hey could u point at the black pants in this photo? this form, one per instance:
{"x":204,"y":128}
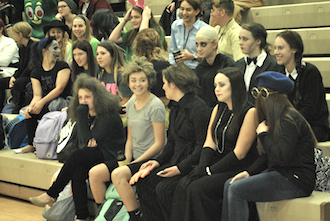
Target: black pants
{"x":18,"y":90}
{"x":156,"y":195}
{"x":32,"y":123}
{"x":76,"y":169}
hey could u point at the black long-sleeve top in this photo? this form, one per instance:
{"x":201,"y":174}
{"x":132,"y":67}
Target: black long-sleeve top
{"x":186,"y":134}
{"x":308,"y":97}
{"x":106,"y":129}
{"x":206,"y":73}
{"x":292,"y":155}
{"x":24,"y":58}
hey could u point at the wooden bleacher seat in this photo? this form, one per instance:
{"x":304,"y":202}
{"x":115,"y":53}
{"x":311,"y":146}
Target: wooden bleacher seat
{"x":284,"y":2}
{"x":315,"y":39}
{"x":313,"y":208}
{"x":24,"y":175}
{"x":315,"y":14}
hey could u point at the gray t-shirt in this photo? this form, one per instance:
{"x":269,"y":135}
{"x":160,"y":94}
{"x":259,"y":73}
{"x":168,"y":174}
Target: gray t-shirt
{"x":108,"y":80}
{"x":140,"y":123}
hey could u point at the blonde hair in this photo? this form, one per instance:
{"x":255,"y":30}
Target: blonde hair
{"x":208,"y":33}
{"x":88,"y":32}
{"x":63,"y":43}
{"x":22,"y":27}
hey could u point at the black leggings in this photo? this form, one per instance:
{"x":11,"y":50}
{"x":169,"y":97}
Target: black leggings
{"x":76,"y":169}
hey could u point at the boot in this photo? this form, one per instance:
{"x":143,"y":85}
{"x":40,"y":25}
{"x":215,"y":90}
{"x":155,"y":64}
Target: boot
{"x":17,"y":101}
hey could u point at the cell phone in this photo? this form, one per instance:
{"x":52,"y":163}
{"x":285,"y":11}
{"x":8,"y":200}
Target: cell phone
{"x":161,"y":172}
{"x":176,"y":52}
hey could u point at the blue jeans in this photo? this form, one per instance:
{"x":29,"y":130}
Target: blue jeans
{"x":264,"y":187}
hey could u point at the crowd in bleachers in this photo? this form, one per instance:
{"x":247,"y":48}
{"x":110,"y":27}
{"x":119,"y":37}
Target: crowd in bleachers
{"x":226,"y":120}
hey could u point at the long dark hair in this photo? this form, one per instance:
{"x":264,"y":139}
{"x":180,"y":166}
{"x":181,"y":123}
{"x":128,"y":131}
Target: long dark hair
{"x":104,"y":102}
{"x":273,"y":109}
{"x":238,"y":97}
{"x":152,"y":24}
{"x":86,"y":47}
{"x":103,"y":22}
{"x":36,"y":51}
{"x":295,"y":42}
{"x":258,"y":32}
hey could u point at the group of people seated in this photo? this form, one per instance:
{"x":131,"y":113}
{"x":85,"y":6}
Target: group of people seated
{"x":215,"y":127}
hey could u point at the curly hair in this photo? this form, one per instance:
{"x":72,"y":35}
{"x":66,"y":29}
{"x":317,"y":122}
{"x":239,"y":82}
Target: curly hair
{"x":140,"y":64}
{"x":147,"y":44}
{"x":104,"y":102}
{"x":131,"y":35}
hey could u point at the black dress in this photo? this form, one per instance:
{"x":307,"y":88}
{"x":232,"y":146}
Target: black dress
{"x":201,"y":199}
{"x":187,"y":132}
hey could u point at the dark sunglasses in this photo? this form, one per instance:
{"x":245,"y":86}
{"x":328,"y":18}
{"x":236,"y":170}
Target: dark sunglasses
{"x":263,"y":92}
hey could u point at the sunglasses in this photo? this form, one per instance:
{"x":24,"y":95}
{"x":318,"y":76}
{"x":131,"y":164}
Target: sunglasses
{"x":263,"y":92}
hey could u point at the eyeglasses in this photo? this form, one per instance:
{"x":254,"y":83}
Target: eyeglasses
{"x":62,"y":6}
{"x":263,"y":92}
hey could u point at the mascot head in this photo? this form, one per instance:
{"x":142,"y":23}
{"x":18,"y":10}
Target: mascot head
{"x":38,"y":13}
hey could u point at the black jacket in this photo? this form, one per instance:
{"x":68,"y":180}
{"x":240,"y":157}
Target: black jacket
{"x":269,"y":64}
{"x":206,"y":74}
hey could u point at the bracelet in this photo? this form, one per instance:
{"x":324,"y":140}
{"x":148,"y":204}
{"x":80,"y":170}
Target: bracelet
{"x":125,"y":20}
{"x":208,"y":171}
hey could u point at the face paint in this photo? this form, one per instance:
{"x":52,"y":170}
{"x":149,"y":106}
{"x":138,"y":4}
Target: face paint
{"x":54,"y":49}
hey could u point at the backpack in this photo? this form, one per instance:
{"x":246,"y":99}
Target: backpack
{"x":63,"y":209}
{"x":16,"y":133}
{"x":113,"y":208}
{"x":47,"y":134}
{"x":68,"y":141}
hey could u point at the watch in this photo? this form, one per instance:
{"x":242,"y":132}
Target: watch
{"x":195,"y":57}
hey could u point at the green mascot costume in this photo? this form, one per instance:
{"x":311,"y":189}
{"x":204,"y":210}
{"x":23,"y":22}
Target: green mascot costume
{"x":38,"y":13}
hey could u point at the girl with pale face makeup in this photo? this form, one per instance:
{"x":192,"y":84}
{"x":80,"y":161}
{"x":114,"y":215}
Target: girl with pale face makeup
{"x":252,"y":40}
{"x":83,"y":60}
{"x":309,"y":91}
{"x":207,"y":44}
{"x":59,"y":30}
{"x":145,"y":134}
{"x":81,"y":30}
{"x":141,"y":19}
{"x":184,"y":32}
{"x":228,"y":148}
{"x":50,"y":79}
{"x":100,"y":133}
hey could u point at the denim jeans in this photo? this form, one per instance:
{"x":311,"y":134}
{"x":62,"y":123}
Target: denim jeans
{"x":265,"y":187}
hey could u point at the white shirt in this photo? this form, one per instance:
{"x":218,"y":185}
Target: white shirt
{"x":294,"y":73}
{"x":84,"y":8}
{"x":8,"y":54}
{"x":249,"y":70}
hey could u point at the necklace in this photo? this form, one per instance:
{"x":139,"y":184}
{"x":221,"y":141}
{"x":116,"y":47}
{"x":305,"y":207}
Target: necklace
{"x":223,"y":131}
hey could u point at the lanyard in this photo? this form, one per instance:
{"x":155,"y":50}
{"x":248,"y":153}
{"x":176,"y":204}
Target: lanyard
{"x":184,"y":34}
